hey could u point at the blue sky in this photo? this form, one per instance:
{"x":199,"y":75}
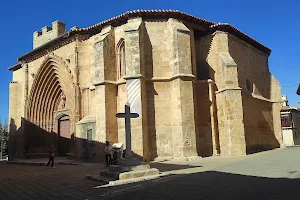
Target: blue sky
{"x":276,"y":25}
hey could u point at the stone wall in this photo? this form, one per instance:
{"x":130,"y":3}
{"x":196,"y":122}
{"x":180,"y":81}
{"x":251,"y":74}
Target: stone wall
{"x":230,"y":62}
{"x":291,"y":136}
{"x":252,"y":64}
{"x":257,"y":93}
{"x":204,"y":134}
{"x":85,"y":62}
{"x":16,"y":139}
{"x":288,"y":137}
{"x":224,"y":72}
{"x":259,"y":130}
{"x":157,"y":49}
{"x":296,"y":130}
{"x":121,"y":101}
{"x":160,"y":123}
{"x":276,"y":107}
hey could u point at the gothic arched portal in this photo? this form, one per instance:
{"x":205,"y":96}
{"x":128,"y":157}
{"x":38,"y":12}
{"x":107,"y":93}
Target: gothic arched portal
{"x":52,"y":92}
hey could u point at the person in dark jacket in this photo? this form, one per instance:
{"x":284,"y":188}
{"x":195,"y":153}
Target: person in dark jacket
{"x":108,"y":150}
{"x":51,"y":156}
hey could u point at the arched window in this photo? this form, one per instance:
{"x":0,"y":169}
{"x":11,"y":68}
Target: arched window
{"x":121,"y":71}
{"x":249,"y":84}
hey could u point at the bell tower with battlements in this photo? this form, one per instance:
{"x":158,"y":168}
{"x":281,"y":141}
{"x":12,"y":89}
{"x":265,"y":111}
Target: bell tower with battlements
{"x":48,"y":33}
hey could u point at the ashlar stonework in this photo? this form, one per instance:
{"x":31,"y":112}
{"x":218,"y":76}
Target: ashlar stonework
{"x":204,"y":88}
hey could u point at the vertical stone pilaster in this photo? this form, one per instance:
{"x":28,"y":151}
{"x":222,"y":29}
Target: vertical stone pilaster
{"x":16,"y":133}
{"x":111,"y":111}
{"x":276,"y":107}
{"x":180,"y":54}
{"x":105,"y":91}
{"x":100,"y":112}
{"x":214,"y":118}
{"x":135,"y":69}
{"x":231,"y":125}
{"x":77,"y":88}
{"x":182,"y":100}
{"x":183,"y":123}
{"x":99,"y":55}
{"x":230,"y":109}
{"x":134,"y":53}
{"x":26,"y":92}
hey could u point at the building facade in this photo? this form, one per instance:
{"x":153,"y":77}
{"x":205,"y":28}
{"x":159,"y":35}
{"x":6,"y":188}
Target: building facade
{"x":290,"y":121}
{"x":195,"y":84}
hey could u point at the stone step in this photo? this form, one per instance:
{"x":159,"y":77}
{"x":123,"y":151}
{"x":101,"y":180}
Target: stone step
{"x":120,"y":168}
{"x":110,"y":174}
{"x":99,"y":178}
{"x":130,"y":174}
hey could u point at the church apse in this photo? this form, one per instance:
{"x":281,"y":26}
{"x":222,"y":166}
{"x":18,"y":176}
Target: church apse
{"x":50,"y":108}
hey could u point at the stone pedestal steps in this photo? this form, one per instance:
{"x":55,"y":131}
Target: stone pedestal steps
{"x":116,"y":174}
{"x":127,"y":172}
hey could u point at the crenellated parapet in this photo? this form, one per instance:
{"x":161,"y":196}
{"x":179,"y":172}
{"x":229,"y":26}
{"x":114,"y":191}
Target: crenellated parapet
{"x":48,"y":33}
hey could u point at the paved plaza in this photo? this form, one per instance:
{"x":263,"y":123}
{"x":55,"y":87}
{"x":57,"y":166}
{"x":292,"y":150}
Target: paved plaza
{"x":268,"y":175}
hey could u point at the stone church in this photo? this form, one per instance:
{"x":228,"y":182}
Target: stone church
{"x":200,"y":89}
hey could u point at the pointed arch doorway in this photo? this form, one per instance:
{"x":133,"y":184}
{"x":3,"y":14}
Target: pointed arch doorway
{"x":64,"y":135}
{"x":51,"y":104}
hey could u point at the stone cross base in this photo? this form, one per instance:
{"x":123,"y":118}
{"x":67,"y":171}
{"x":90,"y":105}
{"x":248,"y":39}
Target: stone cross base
{"x":129,"y":162}
{"x":129,"y":170}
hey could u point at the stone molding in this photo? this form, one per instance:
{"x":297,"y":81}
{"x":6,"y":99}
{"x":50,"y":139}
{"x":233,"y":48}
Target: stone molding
{"x":264,"y":99}
{"x":50,"y":56}
{"x":253,"y":95}
{"x":101,"y":49}
{"x":227,"y":59}
{"x":133,"y":24}
{"x":86,"y":120}
{"x":35,"y":102}
{"x":226,"y":89}
{"x":176,"y":76}
{"x":60,"y":113}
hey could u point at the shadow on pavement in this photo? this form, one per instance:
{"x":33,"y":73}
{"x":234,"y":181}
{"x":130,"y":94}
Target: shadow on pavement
{"x":209,"y":185}
{"x":164,"y":167}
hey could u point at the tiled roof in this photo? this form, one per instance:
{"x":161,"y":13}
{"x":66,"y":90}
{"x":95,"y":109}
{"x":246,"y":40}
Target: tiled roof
{"x":288,"y":108}
{"x":234,"y":31}
{"x":15,"y":67}
{"x":147,"y":13}
{"x":153,"y":14}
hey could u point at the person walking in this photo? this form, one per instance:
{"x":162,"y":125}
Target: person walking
{"x":51,"y":156}
{"x":107,"y":152}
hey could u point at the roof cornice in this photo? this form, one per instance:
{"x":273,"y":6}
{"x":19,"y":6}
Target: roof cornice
{"x":154,"y":14}
{"x":15,"y":67}
{"x":234,"y":31}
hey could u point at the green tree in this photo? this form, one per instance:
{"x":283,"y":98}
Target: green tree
{"x":3,"y":139}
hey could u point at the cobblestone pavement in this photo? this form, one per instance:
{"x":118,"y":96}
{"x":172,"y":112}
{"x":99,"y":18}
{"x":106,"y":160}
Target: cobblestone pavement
{"x":269,"y":175}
